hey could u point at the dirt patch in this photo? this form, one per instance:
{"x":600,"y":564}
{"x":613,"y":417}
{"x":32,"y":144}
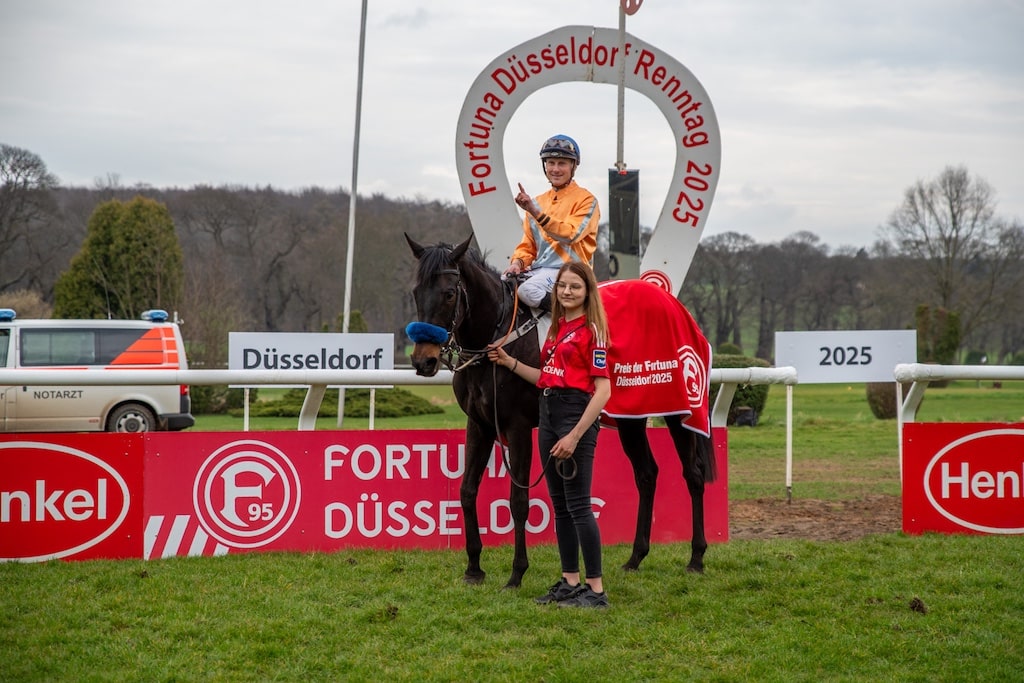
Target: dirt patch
{"x":816,"y":520}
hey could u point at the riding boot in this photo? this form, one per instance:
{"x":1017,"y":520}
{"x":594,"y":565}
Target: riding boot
{"x":544,"y":306}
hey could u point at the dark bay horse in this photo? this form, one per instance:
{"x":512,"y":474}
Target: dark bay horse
{"x":457,"y":293}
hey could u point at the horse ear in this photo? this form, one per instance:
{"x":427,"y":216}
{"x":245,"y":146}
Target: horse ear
{"x":417,"y":249}
{"x":459,"y":251}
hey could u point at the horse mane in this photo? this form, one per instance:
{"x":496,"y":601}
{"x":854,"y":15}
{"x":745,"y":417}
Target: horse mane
{"x":437,"y":257}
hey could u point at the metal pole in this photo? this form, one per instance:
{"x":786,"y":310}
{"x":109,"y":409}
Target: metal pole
{"x":352,"y":199}
{"x":620,"y":123}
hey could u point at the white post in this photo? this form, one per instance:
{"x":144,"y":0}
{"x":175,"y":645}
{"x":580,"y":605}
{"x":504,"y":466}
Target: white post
{"x":352,"y":199}
{"x":789,"y":443}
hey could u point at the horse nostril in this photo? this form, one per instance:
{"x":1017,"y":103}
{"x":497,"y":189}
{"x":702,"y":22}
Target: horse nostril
{"x":426,"y":367}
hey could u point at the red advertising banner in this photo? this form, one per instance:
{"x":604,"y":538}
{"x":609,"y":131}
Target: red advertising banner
{"x":210,"y":493}
{"x":71,"y":496}
{"x":963,"y":478}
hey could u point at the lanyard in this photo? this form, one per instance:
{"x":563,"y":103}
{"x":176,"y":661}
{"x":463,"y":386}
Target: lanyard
{"x":551,"y":351}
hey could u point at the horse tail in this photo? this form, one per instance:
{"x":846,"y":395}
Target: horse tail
{"x":705,"y":457}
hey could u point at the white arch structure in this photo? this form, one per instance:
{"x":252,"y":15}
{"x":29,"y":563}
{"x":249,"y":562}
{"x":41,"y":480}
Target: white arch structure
{"x":586,"y":53}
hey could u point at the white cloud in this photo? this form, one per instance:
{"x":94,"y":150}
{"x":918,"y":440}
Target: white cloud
{"x":828,"y":111}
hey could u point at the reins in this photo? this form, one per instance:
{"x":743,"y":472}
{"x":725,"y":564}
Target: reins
{"x":477,"y":354}
{"x":451,"y":349}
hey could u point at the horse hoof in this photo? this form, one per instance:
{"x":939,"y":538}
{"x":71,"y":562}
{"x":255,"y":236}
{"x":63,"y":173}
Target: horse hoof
{"x":474,"y":579}
{"x":695,"y":568}
{"x":630,"y":568}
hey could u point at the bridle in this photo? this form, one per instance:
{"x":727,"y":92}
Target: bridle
{"x":456,"y":358}
{"x":450,"y":349}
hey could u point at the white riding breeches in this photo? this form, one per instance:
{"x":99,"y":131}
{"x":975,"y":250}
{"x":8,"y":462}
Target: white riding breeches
{"x":538,"y":286}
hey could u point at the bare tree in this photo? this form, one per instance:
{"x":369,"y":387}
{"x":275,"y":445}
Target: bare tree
{"x":25,"y":203}
{"x":725,"y":268}
{"x":971,"y":258}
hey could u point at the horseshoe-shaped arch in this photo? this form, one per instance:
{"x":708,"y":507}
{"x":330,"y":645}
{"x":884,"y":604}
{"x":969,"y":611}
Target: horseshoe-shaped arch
{"x":586,"y":53}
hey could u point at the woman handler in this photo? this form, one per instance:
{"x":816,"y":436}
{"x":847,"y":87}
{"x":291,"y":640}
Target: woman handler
{"x":575,"y":386}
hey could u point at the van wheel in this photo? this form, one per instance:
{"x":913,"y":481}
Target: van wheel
{"x":131,"y":417}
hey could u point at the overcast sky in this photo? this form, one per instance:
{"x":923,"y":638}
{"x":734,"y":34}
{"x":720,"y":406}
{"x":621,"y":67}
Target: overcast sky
{"x":828,"y":110}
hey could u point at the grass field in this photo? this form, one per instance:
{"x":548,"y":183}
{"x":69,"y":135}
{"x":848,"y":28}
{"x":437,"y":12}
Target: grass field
{"x":888,"y":607}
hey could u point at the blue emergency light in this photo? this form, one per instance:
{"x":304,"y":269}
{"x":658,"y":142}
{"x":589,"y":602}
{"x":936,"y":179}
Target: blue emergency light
{"x":155,"y":315}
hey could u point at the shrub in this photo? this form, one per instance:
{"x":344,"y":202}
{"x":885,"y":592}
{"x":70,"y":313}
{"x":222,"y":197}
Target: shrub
{"x":388,"y":403}
{"x":975,"y":357}
{"x":751,"y":396}
{"x":882,"y":399}
{"x":28,"y":304}
{"x":729,"y":349}
{"x":938,"y":338}
{"x":218,"y":399}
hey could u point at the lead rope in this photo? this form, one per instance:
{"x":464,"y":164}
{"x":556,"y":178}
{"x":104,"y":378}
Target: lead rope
{"x":497,"y":429}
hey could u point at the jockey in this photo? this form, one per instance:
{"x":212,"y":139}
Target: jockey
{"x":559,"y":226}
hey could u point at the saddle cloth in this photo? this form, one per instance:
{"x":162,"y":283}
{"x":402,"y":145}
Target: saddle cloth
{"x":660,"y":361}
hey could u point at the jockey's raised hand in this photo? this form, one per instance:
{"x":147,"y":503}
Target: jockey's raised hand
{"x":527,"y":203}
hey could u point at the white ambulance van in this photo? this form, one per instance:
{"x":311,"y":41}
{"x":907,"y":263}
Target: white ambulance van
{"x":152,"y":343}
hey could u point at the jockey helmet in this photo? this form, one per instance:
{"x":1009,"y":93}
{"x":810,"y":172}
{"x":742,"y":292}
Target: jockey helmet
{"x":560,"y":146}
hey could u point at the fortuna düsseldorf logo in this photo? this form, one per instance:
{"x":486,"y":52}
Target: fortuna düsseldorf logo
{"x":695,"y":376}
{"x":656,"y":277}
{"x":246,"y":494}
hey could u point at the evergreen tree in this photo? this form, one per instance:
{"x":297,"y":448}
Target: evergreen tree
{"x":131,"y":261}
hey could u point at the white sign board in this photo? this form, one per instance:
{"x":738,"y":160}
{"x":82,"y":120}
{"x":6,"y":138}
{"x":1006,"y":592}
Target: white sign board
{"x":588,"y":53}
{"x":845,"y":356}
{"x":310,"y":351}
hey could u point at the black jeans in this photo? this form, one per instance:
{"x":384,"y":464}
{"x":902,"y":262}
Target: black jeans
{"x":575,"y":524}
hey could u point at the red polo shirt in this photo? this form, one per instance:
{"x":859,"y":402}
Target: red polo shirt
{"x":574,"y":358}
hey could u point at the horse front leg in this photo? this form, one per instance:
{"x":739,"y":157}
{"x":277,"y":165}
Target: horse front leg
{"x":520,"y":457}
{"x":686,"y":443}
{"x":479,"y":441}
{"x":633,"y":437}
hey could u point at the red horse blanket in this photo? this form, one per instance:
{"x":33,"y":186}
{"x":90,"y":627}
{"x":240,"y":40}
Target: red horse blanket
{"x":660,"y":361}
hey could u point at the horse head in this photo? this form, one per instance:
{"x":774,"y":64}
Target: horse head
{"x":440,"y":298}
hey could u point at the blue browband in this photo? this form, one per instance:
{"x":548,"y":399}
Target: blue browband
{"x":425,"y":333}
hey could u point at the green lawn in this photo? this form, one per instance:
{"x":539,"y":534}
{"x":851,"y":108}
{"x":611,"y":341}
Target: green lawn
{"x":889,"y":607}
{"x":883,"y":608}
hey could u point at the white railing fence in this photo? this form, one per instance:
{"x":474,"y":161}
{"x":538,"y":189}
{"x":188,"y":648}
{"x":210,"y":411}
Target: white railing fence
{"x":921,"y":374}
{"x":319,"y":380}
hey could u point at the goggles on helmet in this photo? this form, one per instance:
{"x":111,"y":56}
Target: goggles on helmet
{"x":560,"y":146}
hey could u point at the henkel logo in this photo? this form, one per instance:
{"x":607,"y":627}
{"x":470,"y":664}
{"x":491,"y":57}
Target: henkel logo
{"x":978,"y":481}
{"x":246,"y":494}
{"x":56,"y":501}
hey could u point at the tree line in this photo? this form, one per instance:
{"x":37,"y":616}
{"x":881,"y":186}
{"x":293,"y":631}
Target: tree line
{"x":263,"y":259}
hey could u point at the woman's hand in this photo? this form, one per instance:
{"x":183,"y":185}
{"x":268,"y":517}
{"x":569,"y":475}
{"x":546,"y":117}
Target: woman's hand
{"x":565,"y":447}
{"x":497,"y":355}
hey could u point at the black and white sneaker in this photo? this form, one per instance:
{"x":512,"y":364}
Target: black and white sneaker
{"x":562,"y":590}
{"x":586,"y":598}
